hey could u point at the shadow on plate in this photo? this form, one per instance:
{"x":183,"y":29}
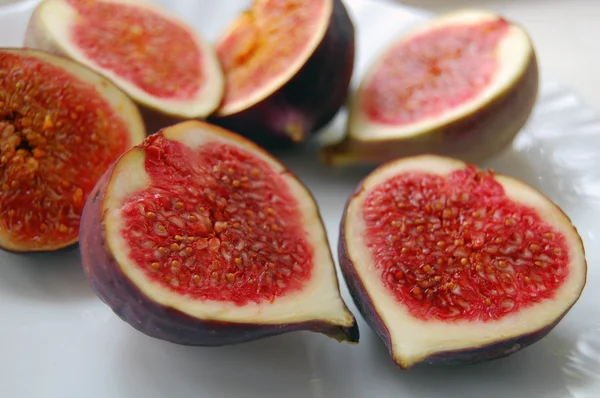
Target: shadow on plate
{"x":535,"y":372}
{"x":49,"y":277}
{"x":273,"y":367}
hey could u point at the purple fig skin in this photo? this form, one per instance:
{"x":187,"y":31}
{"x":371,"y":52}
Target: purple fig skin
{"x":128,"y":302}
{"x":310,"y":99}
{"x":363,"y":302}
{"x":473,"y":138}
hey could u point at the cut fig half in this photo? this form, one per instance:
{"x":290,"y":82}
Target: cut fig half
{"x":452,"y":264}
{"x":147,"y":51}
{"x":61,"y":127}
{"x":287,"y":66}
{"x":462,"y":84}
{"x":199,"y":237}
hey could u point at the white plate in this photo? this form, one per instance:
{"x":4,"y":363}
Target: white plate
{"x":58,"y":340}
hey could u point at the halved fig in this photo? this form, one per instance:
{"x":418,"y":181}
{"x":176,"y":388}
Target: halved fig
{"x":462,"y":85}
{"x":199,"y":237}
{"x":147,"y":51}
{"x":287,"y":66}
{"x":452,"y":264}
{"x":61,"y":126}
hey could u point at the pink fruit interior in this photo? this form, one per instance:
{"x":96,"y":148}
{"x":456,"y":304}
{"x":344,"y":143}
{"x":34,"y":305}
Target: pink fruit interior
{"x":433,"y":72}
{"x":152,"y":52}
{"x":265,"y":41}
{"x":456,"y":247}
{"x":216,"y":223}
{"x":57,"y":137}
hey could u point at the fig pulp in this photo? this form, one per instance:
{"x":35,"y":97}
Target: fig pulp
{"x":148,"y":52}
{"x":462,"y":85}
{"x":199,"y":237}
{"x":287,"y":66}
{"x":61,"y":126}
{"x":452,"y":264}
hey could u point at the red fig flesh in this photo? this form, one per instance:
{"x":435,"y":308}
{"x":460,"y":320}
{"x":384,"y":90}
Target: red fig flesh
{"x":61,"y":126}
{"x":126,"y":41}
{"x":199,"y":237}
{"x":463,"y":85}
{"x":287,"y":65}
{"x":453,"y":264}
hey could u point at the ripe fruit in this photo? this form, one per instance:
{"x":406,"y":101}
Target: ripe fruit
{"x":61,"y":126}
{"x":145,"y":50}
{"x":452,"y":264}
{"x":461,"y":85}
{"x":200,"y":237}
{"x":287,"y":66}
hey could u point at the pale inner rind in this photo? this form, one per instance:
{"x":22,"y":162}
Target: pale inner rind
{"x":117,"y":100}
{"x":413,"y":339}
{"x":57,"y":20}
{"x":319,"y":298}
{"x":280,"y":79}
{"x":513,"y":54}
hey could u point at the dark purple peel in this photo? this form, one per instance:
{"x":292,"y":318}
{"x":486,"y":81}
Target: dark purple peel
{"x":310,"y":99}
{"x":116,"y":290}
{"x":472,"y":355}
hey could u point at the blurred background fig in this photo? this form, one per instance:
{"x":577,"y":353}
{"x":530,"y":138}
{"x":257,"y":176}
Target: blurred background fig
{"x":461,"y":84}
{"x":150,"y":53}
{"x":288,"y":66}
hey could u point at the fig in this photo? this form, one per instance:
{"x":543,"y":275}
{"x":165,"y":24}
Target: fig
{"x":126,"y":41}
{"x":199,"y":237}
{"x":61,"y":126}
{"x":288,"y":66}
{"x":453,"y":264}
{"x":462,"y":84}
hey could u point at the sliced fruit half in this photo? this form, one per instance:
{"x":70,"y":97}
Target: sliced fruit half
{"x":452,"y":264}
{"x":463,"y":84}
{"x":287,"y":65}
{"x":199,"y":237}
{"x":147,"y":51}
{"x":61,"y":126}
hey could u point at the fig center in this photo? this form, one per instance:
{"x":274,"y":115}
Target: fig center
{"x":51,"y":124}
{"x":433,"y":72}
{"x":138,"y":45}
{"x":456,"y":247}
{"x":217,"y":223}
{"x":265,"y":42}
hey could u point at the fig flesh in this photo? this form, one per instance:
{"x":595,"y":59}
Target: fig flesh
{"x":199,"y":237}
{"x":147,"y":51}
{"x":287,"y":66}
{"x":452,"y":264}
{"x":61,"y":126}
{"x":461,"y":85}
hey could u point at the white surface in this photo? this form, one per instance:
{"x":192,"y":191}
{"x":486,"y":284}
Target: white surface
{"x":58,"y":340}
